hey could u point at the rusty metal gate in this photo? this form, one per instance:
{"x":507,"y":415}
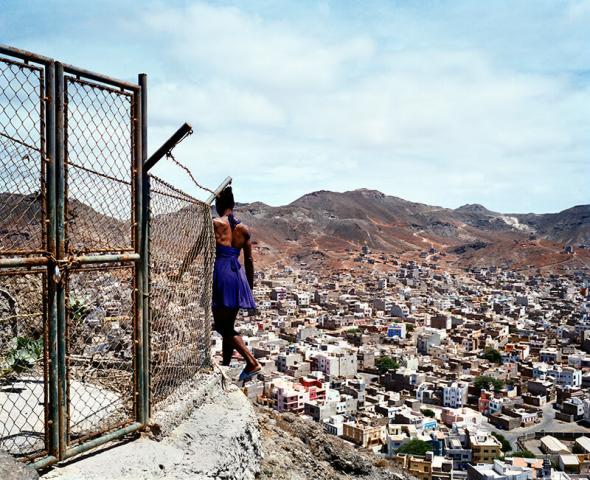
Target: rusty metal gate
{"x":73,"y":261}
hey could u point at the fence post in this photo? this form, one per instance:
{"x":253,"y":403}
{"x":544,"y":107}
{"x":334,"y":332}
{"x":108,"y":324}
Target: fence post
{"x":145,"y":250}
{"x":52,"y":425}
{"x":140,"y":368}
{"x":60,"y":278}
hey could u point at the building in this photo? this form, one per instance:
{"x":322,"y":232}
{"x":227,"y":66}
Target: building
{"x":550,"y":355}
{"x":366,"y":436}
{"x":455,"y":394}
{"x":499,"y":470}
{"x":397,"y":330}
{"x":291,"y":398}
{"x":429,"y":338}
{"x":337,"y":364}
{"x":335,"y":425}
{"x":552,"y":446}
{"x":430,"y":467}
{"x":562,"y":376}
{"x":485,"y":448}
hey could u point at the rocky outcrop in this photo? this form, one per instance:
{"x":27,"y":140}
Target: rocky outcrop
{"x":11,"y":469}
{"x":298,"y":449}
{"x":215,"y":435}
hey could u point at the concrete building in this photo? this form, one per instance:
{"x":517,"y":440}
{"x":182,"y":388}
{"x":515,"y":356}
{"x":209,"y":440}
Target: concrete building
{"x":337,"y":364}
{"x":455,"y":394}
{"x":499,"y":470}
{"x":366,"y":436}
{"x":485,"y":448}
{"x":397,"y":330}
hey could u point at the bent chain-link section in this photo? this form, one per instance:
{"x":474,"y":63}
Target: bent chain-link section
{"x":182,"y":253}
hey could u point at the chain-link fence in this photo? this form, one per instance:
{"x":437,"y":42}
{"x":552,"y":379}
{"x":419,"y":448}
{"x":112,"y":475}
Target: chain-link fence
{"x":22,"y":366}
{"x":99,"y":213}
{"x":81,"y":324}
{"x":23,"y":293}
{"x":182,"y":252}
{"x":22,"y":185}
{"x":100,"y":323}
{"x":99,"y":139}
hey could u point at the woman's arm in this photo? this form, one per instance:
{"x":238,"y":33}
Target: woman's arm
{"x":249,"y":263}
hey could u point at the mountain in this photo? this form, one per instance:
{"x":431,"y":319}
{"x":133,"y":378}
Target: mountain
{"x":569,"y":226}
{"x":325,"y":229}
{"x":325,"y":221}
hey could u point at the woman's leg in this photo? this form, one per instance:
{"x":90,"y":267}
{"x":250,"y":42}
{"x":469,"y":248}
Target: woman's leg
{"x":224,"y":324}
{"x":225,"y":319}
{"x":251,"y":363}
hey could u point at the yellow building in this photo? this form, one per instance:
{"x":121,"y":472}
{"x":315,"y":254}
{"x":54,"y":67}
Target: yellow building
{"x":418,"y":467}
{"x":366,"y":436}
{"x":484,"y":448}
{"x":430,"y":467}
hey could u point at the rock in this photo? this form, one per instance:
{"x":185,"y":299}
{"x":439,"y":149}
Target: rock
{"x":296,"y":448}
{"x":11,"y":469}
{"x":209,"y":433}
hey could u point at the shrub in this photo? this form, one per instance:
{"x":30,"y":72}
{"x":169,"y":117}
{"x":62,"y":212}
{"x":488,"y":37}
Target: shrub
{"x":386,"y":363}
{"x":506,"y":447}
{"x":24,"y":353}
{"x":484,"y":382}
{"x":523,"y":454}
{"x":415,"y":447}
{"x":492,"y":355}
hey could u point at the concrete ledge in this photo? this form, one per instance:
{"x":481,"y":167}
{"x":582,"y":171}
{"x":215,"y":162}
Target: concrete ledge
{"x":11,"y":469}
{"x":211,"y":433}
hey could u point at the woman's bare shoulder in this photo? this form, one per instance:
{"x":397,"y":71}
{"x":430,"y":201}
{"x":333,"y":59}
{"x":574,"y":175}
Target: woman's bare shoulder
{"x":243,"y":228}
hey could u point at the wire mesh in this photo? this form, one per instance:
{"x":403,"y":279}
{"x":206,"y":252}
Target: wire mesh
{"x":100,"y":325}
{"x":182,"y":253}
{"x":22,"y":186}
{"x":22,"y":363}
{"x":99,"y":153}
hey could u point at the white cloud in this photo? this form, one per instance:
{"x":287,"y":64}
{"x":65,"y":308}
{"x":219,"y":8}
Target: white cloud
{"x":280,"y":97}
{"x":447,"y":102}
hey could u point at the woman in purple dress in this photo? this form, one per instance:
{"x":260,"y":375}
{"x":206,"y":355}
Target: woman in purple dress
{"x":232,"y":287}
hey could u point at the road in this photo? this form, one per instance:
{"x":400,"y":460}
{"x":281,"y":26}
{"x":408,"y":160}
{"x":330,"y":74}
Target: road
{"x":548,"y":424}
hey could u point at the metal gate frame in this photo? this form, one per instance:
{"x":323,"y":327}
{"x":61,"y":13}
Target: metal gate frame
{"x":58,"y":262}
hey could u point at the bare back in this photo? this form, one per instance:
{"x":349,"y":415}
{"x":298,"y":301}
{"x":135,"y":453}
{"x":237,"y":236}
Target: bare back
{"x":238,"y":238}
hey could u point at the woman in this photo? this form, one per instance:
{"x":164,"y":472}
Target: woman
{"x":232,"y":288}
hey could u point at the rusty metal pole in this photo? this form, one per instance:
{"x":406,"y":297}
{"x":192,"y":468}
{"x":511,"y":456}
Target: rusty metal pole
{"x":184,"y":130}
{"x":145,"y":250}
{"x":218,"y":190}
{"x":139,"y":397}
{"x":59,"y":277}
{"x":52,"y":404}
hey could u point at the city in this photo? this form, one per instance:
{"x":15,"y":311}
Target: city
{"x":475,"y":373}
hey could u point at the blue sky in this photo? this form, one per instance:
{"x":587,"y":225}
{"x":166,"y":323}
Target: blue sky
{"x":438,"y":102}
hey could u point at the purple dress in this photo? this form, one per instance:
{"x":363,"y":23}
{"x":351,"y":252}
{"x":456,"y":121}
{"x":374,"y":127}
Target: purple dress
{"x":230,"y":286}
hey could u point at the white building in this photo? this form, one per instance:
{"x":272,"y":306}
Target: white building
{"x":337,"y":364}
{"x":335,"y":425}
{"x":499,"y":470}
{"x":455,"y":394}
{"x":562,"y":376}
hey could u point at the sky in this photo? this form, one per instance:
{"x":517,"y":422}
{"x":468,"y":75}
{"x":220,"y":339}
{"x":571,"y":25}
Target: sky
{"x":438,"y":102}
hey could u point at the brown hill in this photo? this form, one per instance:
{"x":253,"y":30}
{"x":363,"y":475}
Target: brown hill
{"x":332,"y":222}
{"x":320,"y":226}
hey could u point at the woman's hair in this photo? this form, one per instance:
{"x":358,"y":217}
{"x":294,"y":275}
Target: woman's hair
{"x":224,"y":200}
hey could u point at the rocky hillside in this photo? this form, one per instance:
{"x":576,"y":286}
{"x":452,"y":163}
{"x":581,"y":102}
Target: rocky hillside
{"x":297,"y":449}
{"x":330,"y":221}
{"x":323,"y":223}
{"x":569,"y":226}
